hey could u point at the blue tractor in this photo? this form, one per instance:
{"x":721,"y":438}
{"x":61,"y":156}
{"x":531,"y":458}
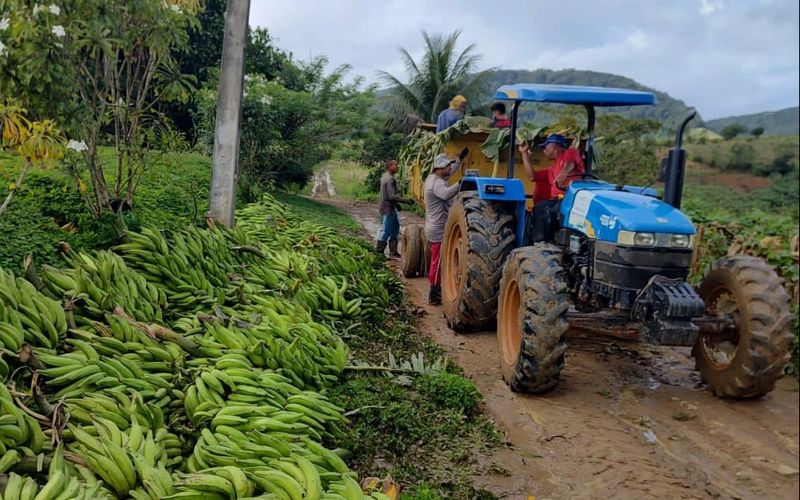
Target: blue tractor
{"x":618,"y":264}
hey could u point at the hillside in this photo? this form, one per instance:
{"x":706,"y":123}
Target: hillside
{"x":781,"y":122}
{"x":668,"y":111}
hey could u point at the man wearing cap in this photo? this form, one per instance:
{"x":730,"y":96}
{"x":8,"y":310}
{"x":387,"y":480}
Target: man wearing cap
{"x":567,"y":163}
{"x":438,"y":199}
{"x":452,"y":114}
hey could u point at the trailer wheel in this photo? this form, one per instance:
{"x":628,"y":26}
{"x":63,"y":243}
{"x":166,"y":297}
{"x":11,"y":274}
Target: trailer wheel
{"x":744,"y":362}
{"x":411,"y":253}
{"x":532,"y":319}
{"x":478,"y":237}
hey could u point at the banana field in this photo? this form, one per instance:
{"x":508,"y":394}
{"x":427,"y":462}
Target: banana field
{"x":192,"y":364}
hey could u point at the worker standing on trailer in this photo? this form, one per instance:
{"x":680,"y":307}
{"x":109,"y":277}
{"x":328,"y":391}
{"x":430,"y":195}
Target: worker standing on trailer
{"x":438,"y":199}
{"x":452,"y":114}
{"x":567,"y":163}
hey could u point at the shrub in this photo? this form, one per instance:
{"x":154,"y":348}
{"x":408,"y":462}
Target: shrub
{"x":450,"y":390}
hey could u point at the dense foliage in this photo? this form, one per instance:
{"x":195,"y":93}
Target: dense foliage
{"x":285,"y":132}
{"x":100,"y":67}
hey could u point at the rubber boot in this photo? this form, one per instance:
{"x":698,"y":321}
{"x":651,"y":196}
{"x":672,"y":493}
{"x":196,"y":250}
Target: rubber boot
{"x":435,"y":295}
{"x":393,"y":249}
{"x":380,"y":246}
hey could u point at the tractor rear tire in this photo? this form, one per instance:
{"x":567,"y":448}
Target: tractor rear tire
{"x":478,"y":237}
{"x":532,"y":319}
{"x":748,"y":362}
{"x":411,"y":253}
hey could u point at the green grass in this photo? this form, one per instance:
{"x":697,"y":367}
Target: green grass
{"x":172,"y":194}
{"x":320,"y":213}
{"x":760,"y":156}
{"x":426,"y":432}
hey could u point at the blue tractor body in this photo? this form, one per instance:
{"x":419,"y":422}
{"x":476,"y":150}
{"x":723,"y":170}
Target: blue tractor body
{"x":617,"y":264}
{"x":601,"y":210}
{"x":622,"y":245}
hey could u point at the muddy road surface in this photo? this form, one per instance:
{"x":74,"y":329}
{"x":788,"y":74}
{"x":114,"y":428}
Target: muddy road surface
{"x":626,"y":421}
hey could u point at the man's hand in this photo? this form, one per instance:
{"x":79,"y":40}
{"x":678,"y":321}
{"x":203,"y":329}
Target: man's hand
{"x":463,"y":154}
{"x":523,"y":147}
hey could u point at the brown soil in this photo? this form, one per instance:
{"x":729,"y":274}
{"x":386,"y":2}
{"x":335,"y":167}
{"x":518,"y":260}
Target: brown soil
{"x":626,"y":421}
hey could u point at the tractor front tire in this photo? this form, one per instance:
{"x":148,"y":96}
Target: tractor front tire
{"x":412,"y":251}
{"x":532,"y":319}
{"x":746,"y":362}
{"x":478,"y":237}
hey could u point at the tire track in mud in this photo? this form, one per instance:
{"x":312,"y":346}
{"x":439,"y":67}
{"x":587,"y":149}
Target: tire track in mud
{"x":626,"y":421}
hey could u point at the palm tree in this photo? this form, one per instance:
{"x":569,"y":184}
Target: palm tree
{"x":440,"y":74}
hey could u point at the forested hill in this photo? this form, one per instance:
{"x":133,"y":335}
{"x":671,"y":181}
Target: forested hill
{"x":781,"y":122}
{"x":668,"y":111}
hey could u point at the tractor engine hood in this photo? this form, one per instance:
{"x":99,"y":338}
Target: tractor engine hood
{"x":600,"y":210}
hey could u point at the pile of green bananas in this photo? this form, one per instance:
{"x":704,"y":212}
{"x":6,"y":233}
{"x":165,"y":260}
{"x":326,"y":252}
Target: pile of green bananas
{"x":97,"y":284}
{"x":27,"y":315}
{"x":63,"y":480}
{"x":189,"y":365}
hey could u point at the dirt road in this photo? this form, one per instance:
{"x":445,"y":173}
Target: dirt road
{"x":626,"y":421}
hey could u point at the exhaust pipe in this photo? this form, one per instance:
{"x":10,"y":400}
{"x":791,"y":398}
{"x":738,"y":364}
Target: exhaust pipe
{"x":673,"y":189}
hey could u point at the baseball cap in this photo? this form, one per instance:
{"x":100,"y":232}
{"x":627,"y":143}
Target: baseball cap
{"x":441,"y":161}
{"x":555,"y":139}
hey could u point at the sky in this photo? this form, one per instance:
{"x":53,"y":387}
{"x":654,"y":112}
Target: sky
{"x":723,"y":57}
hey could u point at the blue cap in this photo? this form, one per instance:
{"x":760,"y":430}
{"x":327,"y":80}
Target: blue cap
{"x":555,"y":139}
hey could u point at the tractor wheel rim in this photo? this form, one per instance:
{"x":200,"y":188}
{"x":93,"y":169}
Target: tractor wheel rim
{"x":509,"y":323}
{"x":452,"y":276}
{"x":721,"y":351}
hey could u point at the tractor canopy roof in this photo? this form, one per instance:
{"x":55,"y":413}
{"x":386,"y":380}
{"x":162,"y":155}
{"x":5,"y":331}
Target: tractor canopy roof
{"x":572,"y":94}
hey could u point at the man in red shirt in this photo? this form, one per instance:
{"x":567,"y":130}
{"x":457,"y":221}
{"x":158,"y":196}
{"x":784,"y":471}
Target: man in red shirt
{"x":567,"y":164}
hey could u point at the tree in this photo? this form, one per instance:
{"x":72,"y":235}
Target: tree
{"x":98,"y":68}
{"x":437,"y":77}
{"x":731,"y":131}
{"x":757,"y":132}
{"x":286,"y":132}
{"x":625,"y":149}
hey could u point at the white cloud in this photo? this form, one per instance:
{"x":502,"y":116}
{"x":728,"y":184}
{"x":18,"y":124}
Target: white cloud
{"x":638,"y":41}
{"x":722,"y":57}
{"x":710,"y":6}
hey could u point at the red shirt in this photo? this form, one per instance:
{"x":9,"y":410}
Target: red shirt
{"x":502,"y":123}
{"x":570,"y":155}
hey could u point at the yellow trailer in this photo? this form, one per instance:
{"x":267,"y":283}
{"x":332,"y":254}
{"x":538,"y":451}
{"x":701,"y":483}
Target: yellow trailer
{"x":414,"y":248}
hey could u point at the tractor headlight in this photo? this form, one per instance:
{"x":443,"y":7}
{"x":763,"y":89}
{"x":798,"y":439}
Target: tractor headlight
{"x":680,"y":241}
{"x":644,"y":239}
{"x":634,"y":239}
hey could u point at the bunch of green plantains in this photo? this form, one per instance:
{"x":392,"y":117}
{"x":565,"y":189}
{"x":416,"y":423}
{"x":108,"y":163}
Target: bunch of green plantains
{"x":186,"y":365}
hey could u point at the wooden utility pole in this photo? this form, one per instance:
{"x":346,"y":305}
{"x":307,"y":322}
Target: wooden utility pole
{"x":225,"y":164}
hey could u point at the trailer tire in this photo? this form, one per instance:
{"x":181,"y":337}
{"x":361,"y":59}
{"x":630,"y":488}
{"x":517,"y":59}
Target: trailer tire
{"x":747,"y":363}
{"x":478,"y":237}
{"x":532,"y":319}
{"x":411,"y":253}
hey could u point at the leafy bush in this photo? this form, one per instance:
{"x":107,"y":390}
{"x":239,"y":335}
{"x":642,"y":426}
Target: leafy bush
{"x":450,"y":391}
{"x":285,"y":132}
{"x":172,"y":194}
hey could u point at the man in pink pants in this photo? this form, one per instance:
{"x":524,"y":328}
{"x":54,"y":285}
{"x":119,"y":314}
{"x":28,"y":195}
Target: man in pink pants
{"x":438,"y":199}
